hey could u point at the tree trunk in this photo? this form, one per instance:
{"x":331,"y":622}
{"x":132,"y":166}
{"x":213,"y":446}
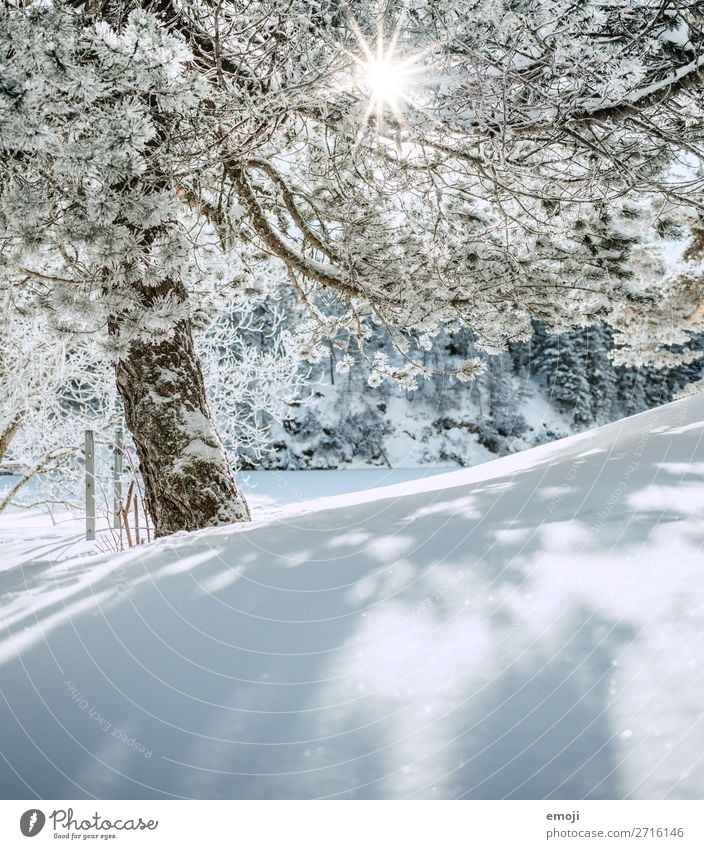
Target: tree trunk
{"x":8,"y":433}
{"x":187,"y":478}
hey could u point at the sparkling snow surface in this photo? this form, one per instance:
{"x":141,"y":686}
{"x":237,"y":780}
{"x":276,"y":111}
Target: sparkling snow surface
{"x":529,"y":628}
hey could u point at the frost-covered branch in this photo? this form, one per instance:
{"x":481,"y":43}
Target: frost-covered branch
{"x":515,"y":164}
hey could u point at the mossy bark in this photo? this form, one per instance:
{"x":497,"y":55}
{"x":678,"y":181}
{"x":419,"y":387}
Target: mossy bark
{"x":187,"y":479}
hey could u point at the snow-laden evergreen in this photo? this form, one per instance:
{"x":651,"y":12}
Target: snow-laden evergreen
{"x":518,"y":162}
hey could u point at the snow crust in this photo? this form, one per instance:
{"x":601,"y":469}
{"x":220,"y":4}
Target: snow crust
{"x":529,"y":628}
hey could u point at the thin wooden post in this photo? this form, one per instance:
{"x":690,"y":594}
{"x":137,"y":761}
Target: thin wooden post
{"x":137,"y":540}
{"x":90,"y":484}
{"x":117,"y":479}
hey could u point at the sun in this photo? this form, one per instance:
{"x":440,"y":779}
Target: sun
{"x":386,"y":80}
{"x":383,"y":74}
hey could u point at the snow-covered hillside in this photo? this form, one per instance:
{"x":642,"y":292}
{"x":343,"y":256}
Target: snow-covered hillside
{"x":541,"y":390}
{"x":529,"y":628}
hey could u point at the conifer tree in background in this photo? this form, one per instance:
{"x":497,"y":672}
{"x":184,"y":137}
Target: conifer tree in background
{"x":561,"y":361}
{"x":632,"y":385}
{"x":456,"y":164}
{"x":599,"y":372}
{"x":503,"y":418}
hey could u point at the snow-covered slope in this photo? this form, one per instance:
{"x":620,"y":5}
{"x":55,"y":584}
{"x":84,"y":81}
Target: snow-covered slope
{"x":529,"y":628}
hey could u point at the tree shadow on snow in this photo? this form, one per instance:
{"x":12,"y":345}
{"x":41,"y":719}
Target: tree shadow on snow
{"x":452,"y":643}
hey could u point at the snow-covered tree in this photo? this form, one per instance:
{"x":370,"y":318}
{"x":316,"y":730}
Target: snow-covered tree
{"x":252,"y":376}
{"x":30,"y":362}
{"x":53,"y":387}
{"x":425,"y":166}
{"x":599,"y":372}
{"x":54,"y":391}
{"x":562,"y":361}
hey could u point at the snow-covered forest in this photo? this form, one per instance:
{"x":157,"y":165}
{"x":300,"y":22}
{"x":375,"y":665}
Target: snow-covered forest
{"x":537,"y":391}
{"x":248,"y":243}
